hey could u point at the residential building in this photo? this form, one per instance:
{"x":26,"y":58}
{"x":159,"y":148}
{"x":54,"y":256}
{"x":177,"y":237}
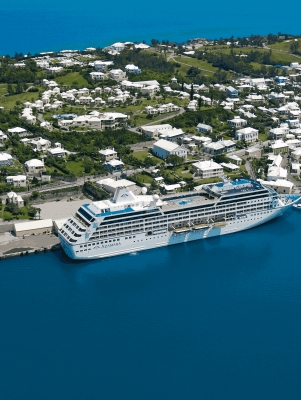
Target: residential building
{"x":237,"y":122}
{"x":132,"y":69}
{"x":118,"y":46}
{"x":222,"y":146}
{"x":278,"y":133}
{"x":150,"y":90}
{"x":207,"y":169}
{"x":114,"y":165}
{"x":248,"y":134}
{"x":279,"y":147}
{"x":203,"y":128}
{"x":13,"y":197}
{"x":5,"y":159}
{"x":231,"y":92}
{"x":108,"y":154}
{"x":3,"y":137}
{"x":253,"y":152}
{"x":102,"y":65}
{"x":17,"y":180}
{"x":117,"y":75}
{"x":19,"y":131}
{"x":54,"y":70}
{"x":35,"y":167}
{"x":40,"y":144}
{"x":163,"y":148}
{"x":98,"y":76}
{"x":171,"y":135}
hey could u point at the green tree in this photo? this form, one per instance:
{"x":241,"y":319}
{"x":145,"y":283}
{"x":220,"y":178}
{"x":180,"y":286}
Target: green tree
{"x":294,"y":46}
{"x":174,"y":160}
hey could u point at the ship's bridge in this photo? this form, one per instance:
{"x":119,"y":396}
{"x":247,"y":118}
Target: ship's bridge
{"x":124,"y":201}
{"x":239,"y":186}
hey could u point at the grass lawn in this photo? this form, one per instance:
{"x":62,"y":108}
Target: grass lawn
{"x":285,"y":46}
{"x":179,"y":171}
{"x":76,"y":167}
{"x":6,"y":215}
{"x":10,"y":101}
{"x":194,"y":62}
{"x":3,"y":88}
{"x":208,"y":180}
{"x":72,"y":79}
{"x":143,"y":178}
{"x":263,"y":137}
{"x":141,"y":155}
{"x":279,"y":57}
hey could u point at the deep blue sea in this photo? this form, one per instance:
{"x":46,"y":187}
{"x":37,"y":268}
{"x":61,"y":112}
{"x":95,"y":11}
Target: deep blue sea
{"x":34,"y":26}
{"x":218,"y":319}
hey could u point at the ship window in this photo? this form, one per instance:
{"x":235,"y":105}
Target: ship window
{"x":85,"y":245}
{"x":80,"y":246}
{"x":106,"y":241}
{"x":110,"y":241}
{"x":89,"y":244}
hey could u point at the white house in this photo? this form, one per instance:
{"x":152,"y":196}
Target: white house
{"x":17,"y":180}
{"x":54,"y":70}
{"x":132,"y":69}
{"x":5,"y":159}
{"x":3,"y":137}
{"x":108,"y":154}
{"x":98,"y":76}
{"x":19,"y":131}
{"x":40,"y":144}
{"x":117,"y":74}
{"x":34,"y":166}
{"x":207,"y":169}
{"x":150,"y":90}
{"x":203,"y":128}
{"x":171,"y":134}
{"x":13,"y":197}
{"x":247,"y":134}
{"x":102,"y":65}
{"x":163,"y":148}
{"x":275,"y":171}
{"x":278,"y":133}
{"x":57,"y":152}
{"x":118,"y":46}
{"x":237,"y":122}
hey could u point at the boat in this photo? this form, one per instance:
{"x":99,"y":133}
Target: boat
{"x":297,"y":206}
{"x":128,"y":223}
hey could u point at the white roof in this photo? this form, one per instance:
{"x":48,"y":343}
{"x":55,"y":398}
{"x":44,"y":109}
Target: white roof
{"x":17,"y":130}
{"x":166,"y":145}
{"x":34,"y":163}
{"x":5,"y":157}
{"x":16,"y":177}
{"x":115,"y":184}
{"x":56,"y":150}
{"x":107,"y":152}
{"x":27,"y":226}
{"x":247,"y":130}
{"x":115,"y":163}
{"x":171,"y":187}
{"x":207,"y":165}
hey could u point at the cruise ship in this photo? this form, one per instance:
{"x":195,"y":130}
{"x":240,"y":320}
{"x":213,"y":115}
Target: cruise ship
{"x":130,"y":223}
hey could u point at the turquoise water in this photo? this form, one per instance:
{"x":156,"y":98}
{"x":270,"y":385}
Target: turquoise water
{"x":38,"y":26}
{"x":213,"y":319}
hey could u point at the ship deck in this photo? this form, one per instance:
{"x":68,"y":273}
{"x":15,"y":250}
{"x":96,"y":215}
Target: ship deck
{"x":185,"y":200}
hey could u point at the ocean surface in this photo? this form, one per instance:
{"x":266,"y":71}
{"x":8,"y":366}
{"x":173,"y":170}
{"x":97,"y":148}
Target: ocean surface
{"x":216,"y":319}
{"x":34,"y":26}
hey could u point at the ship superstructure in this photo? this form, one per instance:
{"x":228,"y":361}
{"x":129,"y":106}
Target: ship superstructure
{"x":129,"y":223}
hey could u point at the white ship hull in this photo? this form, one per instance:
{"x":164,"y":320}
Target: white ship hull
{"x":143,"y":241}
